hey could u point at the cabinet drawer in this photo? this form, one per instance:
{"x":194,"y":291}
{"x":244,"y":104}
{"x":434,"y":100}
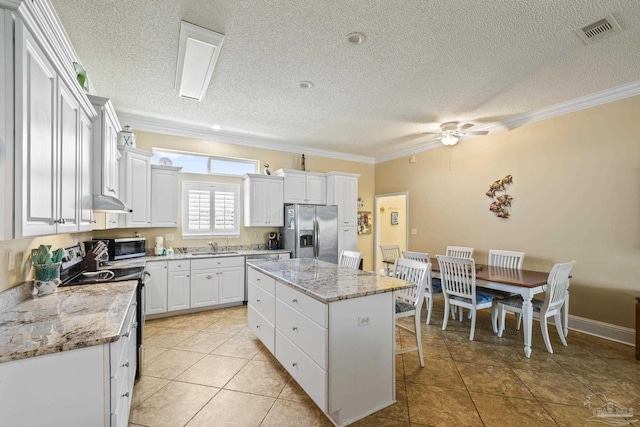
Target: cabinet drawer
{"x":313,"y":309}
{"x":117,"y":349}
{"x":303,"y":332}
{"x":262,"y":301}
{"x":262,"y":280}
{"x":183,"y":265}
{"x":120,"y":416}
{"x":261,"y":327}
{"x":309,"y":376}
{"x":201,"y":264}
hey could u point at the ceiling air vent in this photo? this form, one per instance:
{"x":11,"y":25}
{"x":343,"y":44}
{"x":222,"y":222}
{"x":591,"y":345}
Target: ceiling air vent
{"x":599,"y":30}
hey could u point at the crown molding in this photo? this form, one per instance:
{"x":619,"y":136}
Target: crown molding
{"x":173,"y":127}
{"x":589,"y":101}
{"x":10,"y":4}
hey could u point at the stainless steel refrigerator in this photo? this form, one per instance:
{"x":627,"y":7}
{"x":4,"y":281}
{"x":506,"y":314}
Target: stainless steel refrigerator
{"x":311,"y":231}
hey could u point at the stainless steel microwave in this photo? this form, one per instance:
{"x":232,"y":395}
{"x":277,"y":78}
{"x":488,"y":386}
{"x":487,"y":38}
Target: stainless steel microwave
{"x":124,"y":248}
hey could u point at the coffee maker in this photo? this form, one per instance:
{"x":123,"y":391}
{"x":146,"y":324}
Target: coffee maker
{"x":274,"y":240}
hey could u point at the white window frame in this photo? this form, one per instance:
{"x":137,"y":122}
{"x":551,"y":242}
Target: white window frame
{"x":255,"y":163}
{"x":212,"y":187}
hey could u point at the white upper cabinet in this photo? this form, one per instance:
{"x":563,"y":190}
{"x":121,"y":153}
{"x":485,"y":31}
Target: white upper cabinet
{"x":263,"y":201}
{"x":84,"y":182}
{"x":105,"y":148}
{"x":51,"y":118}
{"x":6,"y":126}
{"x":342,"y":190}
{"x":304,"y":187}
{"x":164,"y":196}
{"x":135,"y":187}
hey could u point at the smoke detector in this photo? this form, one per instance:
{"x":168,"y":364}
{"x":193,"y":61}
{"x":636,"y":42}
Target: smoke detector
{"x":598,"y":30}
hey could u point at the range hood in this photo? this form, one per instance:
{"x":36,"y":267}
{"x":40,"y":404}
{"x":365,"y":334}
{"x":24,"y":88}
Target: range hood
{"x":109,"y":204}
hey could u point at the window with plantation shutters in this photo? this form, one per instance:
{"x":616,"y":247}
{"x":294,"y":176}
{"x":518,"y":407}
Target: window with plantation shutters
{"x":210,"y":209}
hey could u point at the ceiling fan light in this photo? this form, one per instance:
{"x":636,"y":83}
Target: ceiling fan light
{"x":449,"y":140}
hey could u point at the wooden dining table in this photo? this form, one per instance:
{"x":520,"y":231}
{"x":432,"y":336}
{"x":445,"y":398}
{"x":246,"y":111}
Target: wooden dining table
{"x":526,"y":283}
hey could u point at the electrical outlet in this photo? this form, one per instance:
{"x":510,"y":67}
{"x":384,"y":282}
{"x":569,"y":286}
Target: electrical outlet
{"x":12,"y":260}
{"x":412,"y":159}
{"x":364,"y":321}
{"x":414,"y":231}
{"x":257,"y":234}
{"x":168,"y":237}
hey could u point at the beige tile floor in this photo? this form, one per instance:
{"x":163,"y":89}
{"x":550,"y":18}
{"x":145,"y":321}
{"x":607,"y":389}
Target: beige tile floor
{"x":208,"y":369}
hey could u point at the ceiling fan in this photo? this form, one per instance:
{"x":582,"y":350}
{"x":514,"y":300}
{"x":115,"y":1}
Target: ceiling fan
{"x":452,"y":131}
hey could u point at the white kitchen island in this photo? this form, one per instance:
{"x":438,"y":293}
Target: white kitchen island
{"x":332,"y":328}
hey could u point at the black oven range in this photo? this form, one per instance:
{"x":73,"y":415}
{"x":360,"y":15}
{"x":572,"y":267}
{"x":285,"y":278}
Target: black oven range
{"x":74,"y":273}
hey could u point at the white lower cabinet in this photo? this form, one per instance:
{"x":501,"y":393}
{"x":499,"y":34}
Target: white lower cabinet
{"x":185,"y":284}
{"x":347,"y":239}
{"x":179,"y":285}
{"x":345,"y":365}
{"x":90,"y":386}
{"x":156,"y":288}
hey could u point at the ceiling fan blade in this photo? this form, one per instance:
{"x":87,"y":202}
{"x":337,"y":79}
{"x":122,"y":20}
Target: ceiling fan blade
{"x":464,"y":126}
{"x":479,"y":132}
{"x":432,"y":133}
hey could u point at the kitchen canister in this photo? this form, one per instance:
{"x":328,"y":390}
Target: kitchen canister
{"x":126,"y":137}
{"x":158,"y":248}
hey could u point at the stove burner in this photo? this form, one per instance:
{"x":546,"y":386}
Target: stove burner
{"x":119,"y":275}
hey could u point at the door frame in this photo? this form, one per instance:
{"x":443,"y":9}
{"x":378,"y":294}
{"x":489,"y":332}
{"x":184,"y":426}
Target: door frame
{"x":376,"y":228}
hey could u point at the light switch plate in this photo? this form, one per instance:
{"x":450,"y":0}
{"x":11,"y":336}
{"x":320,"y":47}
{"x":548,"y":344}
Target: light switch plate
{"x":12,"y":260}
{"x":168,"y":237}
{"x":414,"y":231}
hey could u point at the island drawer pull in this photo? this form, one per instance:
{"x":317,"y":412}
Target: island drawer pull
{"x":257,"y":326}
{"x":257,"y":300}
{"x":294,"y":364}
{"x":294,"y":300}
{"x":126,"y":394}
{"x":295,"y":328}
{"x":126,"y":335}
{"x":126,"y":365}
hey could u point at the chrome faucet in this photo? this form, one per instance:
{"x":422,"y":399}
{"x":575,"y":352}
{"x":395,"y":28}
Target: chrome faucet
{"x":214,"y":246}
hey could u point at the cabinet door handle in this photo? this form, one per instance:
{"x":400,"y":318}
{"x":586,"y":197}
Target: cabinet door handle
{"x":294,"y":364}
{"x":258,"y":301}
{"x":126,"y":335}
{"x":258,"y":279}
{"x":126,"y":365}
{"x":295,"y":328}
{"x":126,"y":394}
{"x":257,"y":326}
{"x":294,"y":300}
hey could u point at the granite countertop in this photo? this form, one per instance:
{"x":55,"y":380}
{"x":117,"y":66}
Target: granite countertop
{"x":73,"y":317}
{"x":135,"y":262}
{"x":328,"y":282}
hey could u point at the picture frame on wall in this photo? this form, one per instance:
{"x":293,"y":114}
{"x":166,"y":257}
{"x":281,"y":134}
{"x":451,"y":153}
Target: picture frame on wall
{"x":394,"y":218}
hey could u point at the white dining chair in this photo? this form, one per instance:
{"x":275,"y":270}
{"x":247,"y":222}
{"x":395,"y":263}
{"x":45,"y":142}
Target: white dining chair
{"x":350,"y":259}
{"x":458,"y":277}
{"x":459,"y":252}
{"x":390,"y":253}
{"x":433,"y":288}
{"x":507,"y":259}
{"x":557,"y":285}
{"x":409,"y":301}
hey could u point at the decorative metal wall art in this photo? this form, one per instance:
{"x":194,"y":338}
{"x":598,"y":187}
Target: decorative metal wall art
{"x":501,"y":203}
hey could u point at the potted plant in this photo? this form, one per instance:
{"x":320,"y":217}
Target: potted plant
{"x":46,"y":265}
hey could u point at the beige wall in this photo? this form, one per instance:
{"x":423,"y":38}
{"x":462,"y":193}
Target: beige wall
{"x":576,"y":196}
{"x":275,"y":159}
{"x":22,"y":248}
{"x":392,"y":234}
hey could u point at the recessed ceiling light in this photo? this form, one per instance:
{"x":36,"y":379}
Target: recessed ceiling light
{"x":216,"y":127}
{"x":356,"y":38}
{"x":305,"y":84}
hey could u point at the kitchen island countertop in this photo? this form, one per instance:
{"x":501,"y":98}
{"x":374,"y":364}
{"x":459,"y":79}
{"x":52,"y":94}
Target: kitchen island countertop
{"x":73,"y":317}
{"x":327,"y":282}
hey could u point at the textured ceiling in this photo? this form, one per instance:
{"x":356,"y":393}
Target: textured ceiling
{"x":423,"y":63}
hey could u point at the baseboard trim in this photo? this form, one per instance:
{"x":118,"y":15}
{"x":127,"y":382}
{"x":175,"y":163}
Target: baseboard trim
{"x":603,"y":330}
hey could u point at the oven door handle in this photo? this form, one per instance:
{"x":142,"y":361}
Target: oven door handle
{"x":146,"y":276}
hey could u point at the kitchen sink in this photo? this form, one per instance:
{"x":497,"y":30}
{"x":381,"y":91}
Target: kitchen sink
{"x":213,"y":253}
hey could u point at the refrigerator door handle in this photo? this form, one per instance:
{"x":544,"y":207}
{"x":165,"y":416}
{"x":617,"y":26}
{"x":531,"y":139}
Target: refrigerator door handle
{"x":316,"y":243}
